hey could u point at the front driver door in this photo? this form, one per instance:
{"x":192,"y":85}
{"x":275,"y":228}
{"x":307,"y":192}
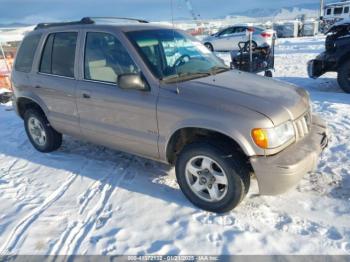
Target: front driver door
{"x":109,"y":115}
{"x":239,"y":35}
{"x":222,"y":41}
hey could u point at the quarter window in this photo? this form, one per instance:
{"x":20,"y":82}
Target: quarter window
{"x":25,"y":56}
{"x":106,"y":58}
{"x":58,"y":56}
{"x":329,"y":11}
{"x":346,"y":10}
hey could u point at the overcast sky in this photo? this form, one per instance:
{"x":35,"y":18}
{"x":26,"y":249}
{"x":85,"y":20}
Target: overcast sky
{"x":33,"y":11}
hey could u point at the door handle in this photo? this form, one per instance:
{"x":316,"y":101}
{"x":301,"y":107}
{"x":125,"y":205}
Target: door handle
{"x":37,"y":86}
{"x":87,"y":96}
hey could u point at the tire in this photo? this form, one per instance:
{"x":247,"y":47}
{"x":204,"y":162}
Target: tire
{"x":53,"y":139}
{"x":209,"y":46}
{"x":268,"y":73}
{"x":344,"y":77}
{"x":237,"y":177}
{"x":247,"y":46}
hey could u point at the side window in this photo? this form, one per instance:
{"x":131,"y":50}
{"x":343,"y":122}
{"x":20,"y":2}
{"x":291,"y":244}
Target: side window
{"x":240,"y":30}
{"x":58,"y":56}
{"x":329,"y":11}
{"x":46,"y":64}
{"x":25,"y":55}
{"x":106,"y":58}
{"x":346,"y":10}
{"x":228,"y":31}
{"x":338,"y":10}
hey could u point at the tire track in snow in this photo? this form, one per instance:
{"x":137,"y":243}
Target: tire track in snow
{"x":7,"y":172}
{"x":82,"y":229}
{"x":25,"y":223}
{"x":83,"y":200}
{"x":91,"y":191}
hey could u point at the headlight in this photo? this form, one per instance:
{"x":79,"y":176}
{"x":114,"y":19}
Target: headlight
{"x":268,"y":138}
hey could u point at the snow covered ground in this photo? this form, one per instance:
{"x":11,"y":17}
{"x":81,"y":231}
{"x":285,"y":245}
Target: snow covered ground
{"x":86,"y":199}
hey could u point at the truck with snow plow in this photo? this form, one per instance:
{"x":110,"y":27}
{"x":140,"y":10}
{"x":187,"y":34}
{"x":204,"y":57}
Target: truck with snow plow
{"x":336,"y":57}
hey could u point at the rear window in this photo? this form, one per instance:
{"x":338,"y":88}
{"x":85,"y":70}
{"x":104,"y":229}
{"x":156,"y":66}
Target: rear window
{"x":25,"y":55}
{"x":58,"y":56}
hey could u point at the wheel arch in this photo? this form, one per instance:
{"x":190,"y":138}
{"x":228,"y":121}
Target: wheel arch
{"x":24,"y":103}
{"x":209,"y":43}
{"x":189,"y":134}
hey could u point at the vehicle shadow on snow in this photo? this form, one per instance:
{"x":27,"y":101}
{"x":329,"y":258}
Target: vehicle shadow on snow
{"x":137,"y":174}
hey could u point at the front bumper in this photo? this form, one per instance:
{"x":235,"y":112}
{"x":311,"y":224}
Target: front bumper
{"x":279,"y":173}
{"x":323,"y":63}
{"x":315,"y":68}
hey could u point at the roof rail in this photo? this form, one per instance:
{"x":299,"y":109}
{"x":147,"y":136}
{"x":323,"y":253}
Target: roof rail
{"x":83,"y":21}
{"x":86,"y":21}
{"x":115,"y":18}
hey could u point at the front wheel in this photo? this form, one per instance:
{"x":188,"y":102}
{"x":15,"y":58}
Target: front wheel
{"x":344,"y":77}
{"x":209,"y":46}
{"x":211,"y":179}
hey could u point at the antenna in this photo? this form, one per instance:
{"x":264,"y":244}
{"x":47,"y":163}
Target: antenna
{"x":172,"y":22}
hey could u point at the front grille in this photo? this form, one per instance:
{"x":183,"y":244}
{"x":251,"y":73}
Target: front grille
{"x":303,"y":125}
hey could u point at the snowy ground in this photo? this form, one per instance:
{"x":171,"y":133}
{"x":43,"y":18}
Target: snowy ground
{"x":86,"y":199}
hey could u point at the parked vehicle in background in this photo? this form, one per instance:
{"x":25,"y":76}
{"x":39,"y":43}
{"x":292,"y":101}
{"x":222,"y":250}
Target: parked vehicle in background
{"x":288,"y":29}
{"x":336,"y":58}
{"x":229,"y":38}
{"x":335,"y":12}
{"x":159,"y":93}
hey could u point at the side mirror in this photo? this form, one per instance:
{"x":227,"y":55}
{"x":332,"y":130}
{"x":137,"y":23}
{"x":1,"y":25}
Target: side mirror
{"x":131,"y":81}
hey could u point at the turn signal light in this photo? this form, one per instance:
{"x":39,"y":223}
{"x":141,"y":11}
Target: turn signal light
{"x":260,"y":137}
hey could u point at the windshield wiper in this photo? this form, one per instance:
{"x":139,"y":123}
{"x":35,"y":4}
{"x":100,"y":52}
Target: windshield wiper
{"x":186,"y":75}
{"x":218,"y":69}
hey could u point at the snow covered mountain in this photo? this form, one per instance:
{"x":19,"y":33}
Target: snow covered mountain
{"x":310,"y":10}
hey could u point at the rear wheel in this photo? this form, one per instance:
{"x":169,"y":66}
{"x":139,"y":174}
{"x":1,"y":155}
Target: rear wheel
{"x":40,"y":133}
{"x":211,"y":179}
{"x":344,"y":77}
{"x":268,"y":73}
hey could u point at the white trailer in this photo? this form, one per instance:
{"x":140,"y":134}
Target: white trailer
{"x":335,"y":12}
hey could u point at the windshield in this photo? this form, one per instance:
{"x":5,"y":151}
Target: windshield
{"x":172,"y":55}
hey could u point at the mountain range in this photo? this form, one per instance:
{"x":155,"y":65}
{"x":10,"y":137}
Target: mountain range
{"x":310,"y":10}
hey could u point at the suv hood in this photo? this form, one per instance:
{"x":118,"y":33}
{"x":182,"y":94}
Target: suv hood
{"x":276,"y":100}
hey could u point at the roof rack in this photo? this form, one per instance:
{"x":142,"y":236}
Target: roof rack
{"x":86,"y":21}
{"x":116,"y":18}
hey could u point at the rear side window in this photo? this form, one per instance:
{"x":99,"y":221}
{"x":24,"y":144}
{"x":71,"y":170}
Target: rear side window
{"x":25,"y":55}
{"x":346,"y":10}
{"x":58,"y":56}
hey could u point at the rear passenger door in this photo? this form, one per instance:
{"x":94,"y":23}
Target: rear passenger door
{"x":111,"y":116}
{"x":55,"y":80}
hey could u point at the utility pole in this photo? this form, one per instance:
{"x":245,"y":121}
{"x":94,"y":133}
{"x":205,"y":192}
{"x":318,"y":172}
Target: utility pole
{"x":321,"y":8}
